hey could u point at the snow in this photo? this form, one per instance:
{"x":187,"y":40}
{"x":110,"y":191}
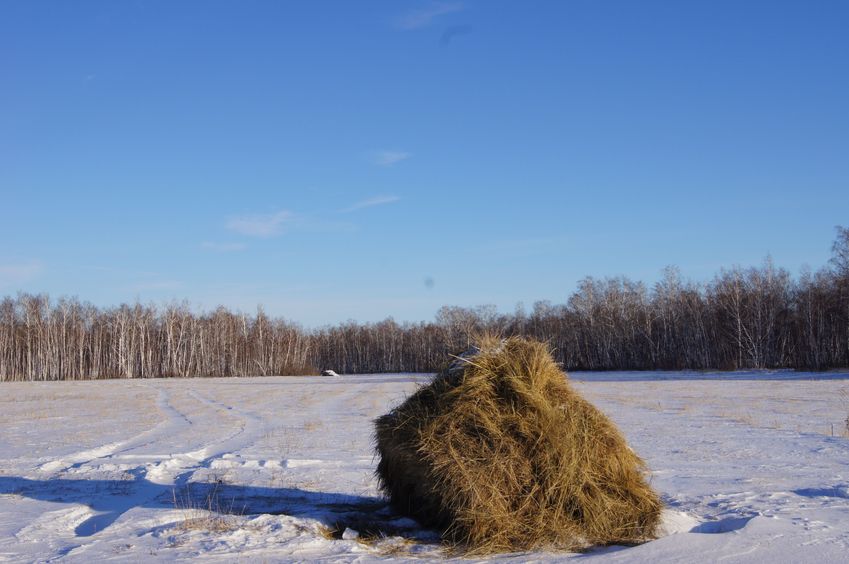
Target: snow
{"x":282,"y":468}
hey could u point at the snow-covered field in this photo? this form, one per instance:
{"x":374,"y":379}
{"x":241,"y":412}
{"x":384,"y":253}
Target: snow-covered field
{"x":129,"y":470}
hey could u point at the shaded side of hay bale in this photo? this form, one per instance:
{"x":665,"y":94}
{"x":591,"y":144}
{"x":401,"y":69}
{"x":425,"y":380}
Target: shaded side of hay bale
{"x":403,"y":474}
{"x":510,"y":457}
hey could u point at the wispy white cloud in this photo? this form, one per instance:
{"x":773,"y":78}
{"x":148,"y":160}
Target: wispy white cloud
{"x":223,"y":247}
{"x":12,"y":275}
{"x":389,"y":158}
{"x":260,"y":225}
{"x":371,"y":202}
{"x":423,"y":17}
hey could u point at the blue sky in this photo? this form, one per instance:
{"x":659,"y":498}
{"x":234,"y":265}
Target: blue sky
{"x":358,"y":160}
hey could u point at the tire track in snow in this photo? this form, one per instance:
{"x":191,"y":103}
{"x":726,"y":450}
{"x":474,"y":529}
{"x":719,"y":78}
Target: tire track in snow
{"x":179,"y":467}
{"x":173,"y":469}
{"x":43,"y":526}
{"x":192,"y":423}
{"x":174,"y":422}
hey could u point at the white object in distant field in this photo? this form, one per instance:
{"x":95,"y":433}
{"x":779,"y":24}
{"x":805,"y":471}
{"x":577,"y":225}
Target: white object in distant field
{"x":329,"y":373}
{"x":350,"y":534}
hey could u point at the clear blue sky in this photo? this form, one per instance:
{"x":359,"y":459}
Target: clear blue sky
{"x":336,"y":160}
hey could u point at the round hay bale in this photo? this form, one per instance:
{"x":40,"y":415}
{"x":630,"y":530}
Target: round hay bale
{"x":507,"y":456}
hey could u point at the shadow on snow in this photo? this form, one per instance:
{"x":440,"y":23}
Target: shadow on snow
{"x":110,"y":499}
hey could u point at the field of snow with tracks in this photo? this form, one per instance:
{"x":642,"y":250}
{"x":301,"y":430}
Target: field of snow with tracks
{"x":281,"y":468}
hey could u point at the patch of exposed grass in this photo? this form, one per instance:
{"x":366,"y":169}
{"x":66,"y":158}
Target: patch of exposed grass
{"x":207,"y":512}
{"x":378,"y":535}
{"x":845,"y":395}
{"x":313,"y":425}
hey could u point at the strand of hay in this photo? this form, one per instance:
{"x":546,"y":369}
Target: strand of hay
{"x":504,"y":455}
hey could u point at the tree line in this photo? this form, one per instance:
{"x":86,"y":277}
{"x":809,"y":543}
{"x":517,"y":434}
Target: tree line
{"x":758,"y":317}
